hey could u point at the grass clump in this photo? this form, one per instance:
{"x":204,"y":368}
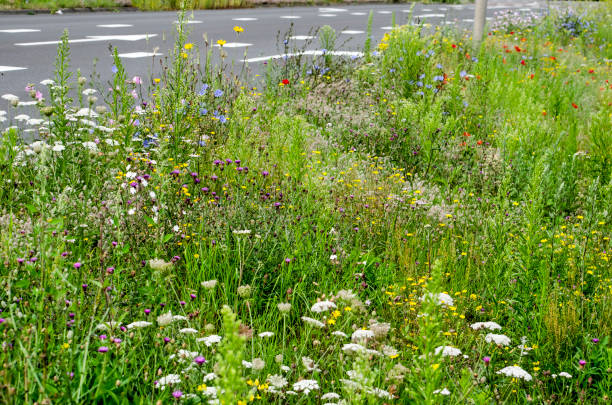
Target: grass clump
{"x":432,"y":226}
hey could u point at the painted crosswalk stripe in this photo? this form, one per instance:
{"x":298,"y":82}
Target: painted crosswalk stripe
{"x":93,"y":38}
{"x":19,"y":30}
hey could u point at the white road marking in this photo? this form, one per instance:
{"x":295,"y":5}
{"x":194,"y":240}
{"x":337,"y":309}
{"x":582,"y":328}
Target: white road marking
{"x":352,"y":32}
{"x":386,"y":28}
{"x":384,"y":12}
{"x":245,"y":19}
{"x":114,"y":25}
{"x":94,"y":38}
{"x":291,"y":17}
{"x":10,"y":68}
{"x":302,"y":37}
{"x":430,"y":16}
{"x":19,"y":30}
{"x":135,"y":55}
{"x":190,"y":22}
{"x":358,"y":13}
{"x":331,"y":10}
{"x":327,"y":15}
{"x":234,"y":45}
{"x":468,"y":20}
{"x":426,"y":9}
{"x":308,"y":53}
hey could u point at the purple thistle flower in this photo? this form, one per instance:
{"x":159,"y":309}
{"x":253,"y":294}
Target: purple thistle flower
{"x":77,"y":265}
{"x":103,"y":349}
{"x":199,"y":360}
{"x":177,"y":394}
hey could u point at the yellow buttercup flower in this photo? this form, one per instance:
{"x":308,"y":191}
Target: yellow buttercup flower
{"x":188,"y":46}
{"x":221,"y":42}
{"x":238,"y":29}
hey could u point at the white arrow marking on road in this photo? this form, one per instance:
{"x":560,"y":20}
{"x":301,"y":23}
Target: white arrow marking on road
{"x":134,"y":55}
{"x":19,"y":30}
{"x":114,"y":25}
{"x":94,"y":38}
{"x":10,"y":68}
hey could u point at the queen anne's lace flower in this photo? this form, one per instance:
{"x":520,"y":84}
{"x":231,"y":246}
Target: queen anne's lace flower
{"x":440,"y":299}
{"x":501,"y":340}
{"x":515,"y":372}
{"x":339,"y":334}
{"x":485,"y":325}
{"x":188,"y":331}
{"x":210,"y":340}
{"x":448,"y":351}
{"x":362,"y":334}
{"x":323,"y":306}
{"x":313,"y":322}
{"x":329,"y":396}
{"x":165,"y":319}
{"x":170,"y":379}
{"x":306,"y":386}
{"x":138,"y":324}
{"x":277,"y":381}
{"x":443,"y":391}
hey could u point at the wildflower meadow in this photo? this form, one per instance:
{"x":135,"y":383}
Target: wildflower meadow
{"x":420,"y":222}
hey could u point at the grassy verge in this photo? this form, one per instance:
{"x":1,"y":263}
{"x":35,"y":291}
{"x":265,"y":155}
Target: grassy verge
{"x":423,"y":224}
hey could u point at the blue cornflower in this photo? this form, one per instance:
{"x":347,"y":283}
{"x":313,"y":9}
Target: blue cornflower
{"x":218,"y":93}
{"x":438,"y":78}
{"x":462,"y":74}
{"x":203,"y":89}
{"x":428,"y":86}
{"x":422,"y":76}
{"x":222,"y":119}
{"x":419,"y":83}
{"x":391,"y":70}
{"x":439,"y":66}
{"x":114,"y":69}
{"x":420,"y":93}
{"x":418,"y":53}
{"x":203,"y":111}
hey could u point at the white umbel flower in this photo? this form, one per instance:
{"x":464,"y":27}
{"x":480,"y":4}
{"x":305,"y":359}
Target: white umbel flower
{"x":501,"y":340}
{"x":210,"y":340}
{"x":330,"y":396}
{"x":309,"y":364}
{"x":209,"y":285}
{"x":138,"y":324}
{"x":266,"y":334}
{"x":313,"y":322}
{"x":188,"y":331}
{"x":443,"y":391}
{"x":323,"y":306}
{"x":339,"y":333}
{"x":306,"y":386}
{"x":170,"y":379}
{"x":165,"y":319}
{"x":362,"y":334}
{"x":515,"y":372}
{"x":485,"y":325}
{"x":448,"y":351}
{"x":439,"y":299}
{"x":564,"y":374}
{"x":277,"y":381}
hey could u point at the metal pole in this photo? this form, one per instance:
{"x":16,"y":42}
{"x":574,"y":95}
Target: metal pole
{"x":480,"y":12}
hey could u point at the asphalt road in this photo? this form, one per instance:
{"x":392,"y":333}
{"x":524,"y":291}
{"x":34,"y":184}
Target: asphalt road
{"x":28,"y":43}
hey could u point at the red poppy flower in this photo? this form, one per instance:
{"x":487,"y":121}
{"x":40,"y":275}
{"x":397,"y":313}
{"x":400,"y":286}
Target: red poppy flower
{"x":517,"y":48}
{"x":466,"y":134}
{"x":523,"y":62}
{"x":479,"y":142}
{"x":285,"y":82}
{"x":454,"y":46}
{"x":574,"y":105}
